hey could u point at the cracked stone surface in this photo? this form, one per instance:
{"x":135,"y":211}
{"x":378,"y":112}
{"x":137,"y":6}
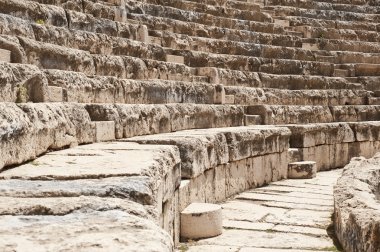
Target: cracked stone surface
{"x":285,"y":216}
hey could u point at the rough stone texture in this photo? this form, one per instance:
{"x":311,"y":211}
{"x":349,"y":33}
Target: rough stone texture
{"x":207,"y":148}
{"x":357,"y":207}
{"x":108,"y":188}
{"x":29,"y":130}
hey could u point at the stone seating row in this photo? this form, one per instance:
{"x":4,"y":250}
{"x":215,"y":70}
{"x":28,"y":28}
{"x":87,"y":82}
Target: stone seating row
{"x":315,"y":5}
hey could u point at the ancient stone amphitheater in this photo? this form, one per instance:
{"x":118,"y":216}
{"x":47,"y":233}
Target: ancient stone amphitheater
{"x":116,"y":116}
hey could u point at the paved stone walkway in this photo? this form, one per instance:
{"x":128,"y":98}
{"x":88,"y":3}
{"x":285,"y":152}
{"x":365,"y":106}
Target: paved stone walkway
{"x":289,"y":215}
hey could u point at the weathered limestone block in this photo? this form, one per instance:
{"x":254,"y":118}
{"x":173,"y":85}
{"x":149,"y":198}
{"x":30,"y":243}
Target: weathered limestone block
{"x":55,"y":57}
{"x":5,"y":55}
{"x":35,"y":12}
{"x":55,"y":94}
{"x":200,"y":149}
{"x":142,"y":34}
{"x":294,"y":155}
{"x":136,"y":120}
{"x":357,"y":216}
{"x":120,"y":14}
{"x":302,"y":170}
{"x":319,"y":134}
{"x":114,"y":232}
{"x":159,"y":163}
{"x":252,"y":120}
{"x":22,"y":83}
{"x":175,"y":59}
{"x":104,"y":131}
{"x":279,"y":114}
{"x":229,"y":99}
{"x":14,"y":26}
{"x":28,"y":130}
{"x":201,"y":220}
{"x":12,"y":44}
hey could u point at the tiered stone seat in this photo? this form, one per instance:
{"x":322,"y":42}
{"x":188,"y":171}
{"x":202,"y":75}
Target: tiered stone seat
{"x":164,"y":98}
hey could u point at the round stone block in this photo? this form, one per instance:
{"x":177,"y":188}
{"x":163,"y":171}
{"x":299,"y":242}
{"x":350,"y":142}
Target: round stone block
{"x":302,"y":170}
{"x":201,"y":220}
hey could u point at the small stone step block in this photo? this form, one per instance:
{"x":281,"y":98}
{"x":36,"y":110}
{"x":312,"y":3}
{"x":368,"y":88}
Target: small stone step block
{"x":120,"y":14}
{"x":143,"y":35}
{"x":341,"y":73}
{"x":175,"y":59}
{"x":210,"y":72}
{"x":306,"y":31}
{"x":104,"y":131}
{"x":377,"y":93}
{"x":5,"y":55}
{"x":374,"y":101}
{"x":252,"y":120}
{"x":302,"y":170}
{"x":117,"y":2}
{"x":201,"y":220}
{"x":155,"y":40}
{"x":229,"y":99}
{"x":310,"y":46}
{"x":55,"y":94}
{"x":294,"y":155}
{"x":282,"y":22}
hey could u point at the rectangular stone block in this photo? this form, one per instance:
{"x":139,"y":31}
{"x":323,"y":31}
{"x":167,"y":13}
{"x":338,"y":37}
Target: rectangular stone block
{"x":143,"y":35}
{"x":306,"y":31}
{"x":376,"y":93}
{"x":321,"y":58}
{"x":211,"y":72}
{"x":5,"y":55}
{"x":252,"y":120}
{"x":155,"y":40}
{"x":116,"y":2}
{"x":120,"y":14}
{"x":175,"y":59}
{"x":294,"y":155}
{"x":104,"y":131}
{"x":220,"y":95}
{"x":373,"y":100}
{"x":310,"y":46}
{"x":281,"y":22}
{"x":55,"y":94}
{"x":229,"y":99}
{"x":341,"y":73}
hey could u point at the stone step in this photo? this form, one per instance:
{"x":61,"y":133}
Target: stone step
{"x":377,"y":93}
{"x":104,"y":131}
{"x":357,"y":28}
{"x":329,"y":6}
{"x":39,"y":134}
{"x":332,"y":15}
{"x":5,"y":55}
{"x":310,"y":46}
{"x":281,"y":22}
{"x":283,"y":114}
{"x":253,"y":96}
{"x":201,"y":220}
{"x":374,"y":100}
{"x":341,"y":73}
{"x":175,"y":59}
{"x":252,"y":120}
{"x":302,"y":170}
{"x":55,"y":94}
{"x":155,"y":40}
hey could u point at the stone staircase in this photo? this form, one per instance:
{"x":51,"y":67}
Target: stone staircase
{"x":127,"y":111}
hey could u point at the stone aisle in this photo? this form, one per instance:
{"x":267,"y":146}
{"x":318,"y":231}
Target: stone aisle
{"x":289,"y":215}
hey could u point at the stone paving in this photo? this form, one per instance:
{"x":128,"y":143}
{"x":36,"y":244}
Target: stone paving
{"x":289,"y":215}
